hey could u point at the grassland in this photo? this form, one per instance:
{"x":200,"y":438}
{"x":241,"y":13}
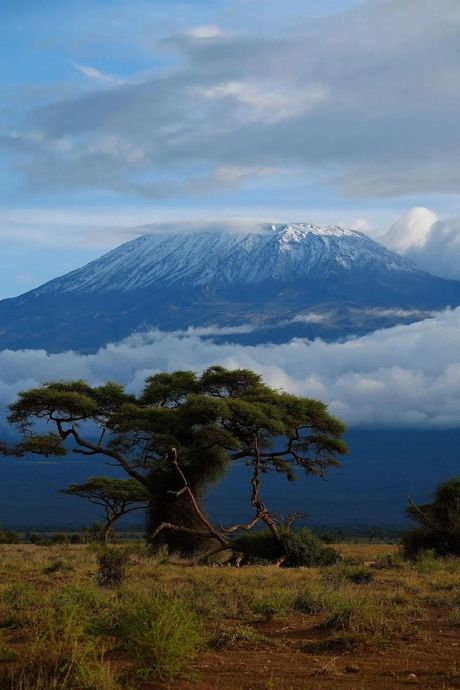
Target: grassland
{"x":370,"y":621}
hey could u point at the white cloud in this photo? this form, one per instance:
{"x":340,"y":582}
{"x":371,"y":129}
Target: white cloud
{"x":268,"y":102}
{"x":204,"y":33}
{"x":340,"y":101}
{"x":313,"y":317}
{"x":96,"y":74}
{"x":402,"y":376}
{"x":393,"y":313}
{"x":411,"y":230}
{"x":433,"y":244}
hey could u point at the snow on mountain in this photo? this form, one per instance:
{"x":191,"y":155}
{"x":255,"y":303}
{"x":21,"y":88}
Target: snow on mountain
{"x":210,"y":258}
{"x":270,"y":284}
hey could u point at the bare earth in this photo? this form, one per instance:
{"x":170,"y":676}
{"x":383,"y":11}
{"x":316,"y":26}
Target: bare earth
{"x":400,"y":629}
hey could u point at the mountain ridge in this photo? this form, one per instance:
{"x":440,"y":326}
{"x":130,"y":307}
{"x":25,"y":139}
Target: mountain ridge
{"x":178,"y":258}
{"x":283,"y":281}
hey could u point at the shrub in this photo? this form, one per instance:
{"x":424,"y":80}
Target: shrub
{"x":76,"y":539}
{"x":438,"y":523}
{"x":39,"y":539}
{"x":112,"y":565}
{"x":368,"y":618}
{"x":9,"y":536}
{"x":359,"y":575}
{"x":59,"y":538}
{"x":57,"y":565}
{"x":230,"y":635}
{"x":59,"y":656}
{"x":302,"y":548}
{"x":306,"y":602}
{"x":160,"y":633}
{"x":266,"y":608}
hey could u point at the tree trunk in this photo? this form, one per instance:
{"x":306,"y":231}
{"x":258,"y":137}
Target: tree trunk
{"x":107,"y":529}
{"x":178,"y":510}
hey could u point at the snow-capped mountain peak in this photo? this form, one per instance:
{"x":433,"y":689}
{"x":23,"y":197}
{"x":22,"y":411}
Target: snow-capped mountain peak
{"x":284,"y":252}
{"x":268,"y":283}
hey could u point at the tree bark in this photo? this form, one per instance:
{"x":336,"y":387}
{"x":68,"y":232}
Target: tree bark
{"x":168,"y":505}
{"x":107,"y":529}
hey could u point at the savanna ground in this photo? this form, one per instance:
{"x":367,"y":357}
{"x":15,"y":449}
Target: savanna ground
{"x":386,"y":625}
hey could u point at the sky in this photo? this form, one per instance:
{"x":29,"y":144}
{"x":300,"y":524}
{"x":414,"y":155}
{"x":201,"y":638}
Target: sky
{"x":117,"y":114}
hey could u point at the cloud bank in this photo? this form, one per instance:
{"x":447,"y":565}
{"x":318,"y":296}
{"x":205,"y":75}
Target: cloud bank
{"x":402,"y":376}
{"x":433,"y":244}
{"x":365,"y":99}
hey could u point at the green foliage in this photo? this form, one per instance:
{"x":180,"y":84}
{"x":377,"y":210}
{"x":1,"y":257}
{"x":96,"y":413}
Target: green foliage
{"x":58,"y":565}
{"x":359,"y":575}
{"x":117,"y":497}
{"x":162,"y":634}
{"x":39,"y":444}
{"x":210,"y":420}
{"x":438,"y":523}
{"x":302,"y":548}
{"x":38,"y":538}
{"x":106,"y":489}
{"x":59,"y":538}
{"x":60,"y":656}
{"x":267,"y":608}
{"x":230,"y":635}
{"x":306,"y":602}
{"x":111,"y":567}
{"x":9,"y":536}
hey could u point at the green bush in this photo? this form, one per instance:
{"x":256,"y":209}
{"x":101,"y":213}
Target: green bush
{"x":76,"y":539}
{"x":160,"y":633}
{"x":57,"y":565}
{"x":60,"y":656}
{"x":438,"y":523}
{"x":39,"y":539}
{"x":266,"y":608}
{"x":302,"y":548}
{"x":359,"y":575}
{"x":9,"y":536}
{"x":306,"y":602}
{"x":111,"y":567}
{"x":59,"y":538}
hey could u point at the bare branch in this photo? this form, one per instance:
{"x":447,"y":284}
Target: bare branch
{"x":425,"y":518}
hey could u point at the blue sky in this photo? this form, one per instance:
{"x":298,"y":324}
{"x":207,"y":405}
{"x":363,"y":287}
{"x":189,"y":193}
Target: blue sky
{"x":116,"y":114}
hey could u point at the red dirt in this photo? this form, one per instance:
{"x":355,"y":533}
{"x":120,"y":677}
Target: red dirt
{"x":298,"y":658}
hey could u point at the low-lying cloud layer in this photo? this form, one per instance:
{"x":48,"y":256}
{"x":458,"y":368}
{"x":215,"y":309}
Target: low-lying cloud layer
{"x":402,"y":376}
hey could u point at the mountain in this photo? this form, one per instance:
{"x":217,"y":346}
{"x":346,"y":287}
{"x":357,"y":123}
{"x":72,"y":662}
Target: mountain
{"x":271,"y":284}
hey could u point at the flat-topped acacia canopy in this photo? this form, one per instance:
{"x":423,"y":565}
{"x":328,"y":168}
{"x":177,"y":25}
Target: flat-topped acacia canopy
{"x":209,"y":419}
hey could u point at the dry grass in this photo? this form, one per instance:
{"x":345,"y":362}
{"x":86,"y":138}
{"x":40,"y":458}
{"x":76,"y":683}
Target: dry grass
{"x":59,"y":629}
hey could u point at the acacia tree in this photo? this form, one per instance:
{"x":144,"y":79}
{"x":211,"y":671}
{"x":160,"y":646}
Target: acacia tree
{"x":180,"y":434}
{"x":117,"y":497}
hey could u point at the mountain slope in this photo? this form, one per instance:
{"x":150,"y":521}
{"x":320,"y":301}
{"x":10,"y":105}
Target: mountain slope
{"x":218,"y":259}
{"x":279,"y":281}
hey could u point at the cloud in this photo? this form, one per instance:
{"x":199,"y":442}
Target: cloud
{"x":410,"y":231}
{"x":94,"y":73}
{"x":433,"y":244}
{"x":401,"y":376}
{"x":365,"y":99}
{"x":203,"y":33}
{"x":266,"y":102}
{"x":313,"y":317}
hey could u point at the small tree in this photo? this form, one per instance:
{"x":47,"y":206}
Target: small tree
{"x":438,"y":522}
{"x":117,"y":497}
